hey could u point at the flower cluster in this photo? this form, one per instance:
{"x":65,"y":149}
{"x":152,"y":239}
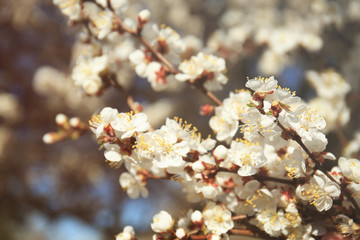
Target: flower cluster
{"x":265,"y":168}
{"x":263,"y":177}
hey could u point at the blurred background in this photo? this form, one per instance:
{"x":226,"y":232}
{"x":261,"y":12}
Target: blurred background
{"x":66,"y":190}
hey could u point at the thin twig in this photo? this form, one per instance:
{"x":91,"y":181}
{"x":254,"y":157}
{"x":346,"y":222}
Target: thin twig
{"x":262,"y":178}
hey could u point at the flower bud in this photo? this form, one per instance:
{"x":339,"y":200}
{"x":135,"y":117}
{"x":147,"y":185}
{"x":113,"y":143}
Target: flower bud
{"x":180,"y":233}
{"x":207,"y":109}
{"x":61,"y":119}
{"x":144,"y":16}
{"x":49,"y":138}
{"x":198,"y":166}
{"x":197,"y":218}
{"x":209,"y":192}
{"x":220,"y":152}
{"x":75,"y":122}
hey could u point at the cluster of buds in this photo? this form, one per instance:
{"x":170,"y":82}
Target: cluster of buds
{"x":71,"y":128}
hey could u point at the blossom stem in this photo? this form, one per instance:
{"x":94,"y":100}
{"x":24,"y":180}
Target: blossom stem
{"x":262,"y":178}
{"x":239,"y":217}
{"x":208,"y":93}
{"x":242,"y":232}
{"x":129,"y":98}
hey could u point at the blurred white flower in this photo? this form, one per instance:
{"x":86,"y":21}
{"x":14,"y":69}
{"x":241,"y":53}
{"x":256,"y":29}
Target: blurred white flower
{"x":133,"y":185}
{"x":101,"y":23}
{"x":162,"y":222}
{"x":328,"y":84}
{"x":207,"y":67}
{"x":127,"y":234}
{"x":87,"y":73}
{"x":70,"y":8}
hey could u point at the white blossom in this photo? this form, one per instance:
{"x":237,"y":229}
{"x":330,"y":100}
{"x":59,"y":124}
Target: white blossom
{"x":350,"y":168}
{"x":257,"y":126}
{"x":133,"y":185}
{"x":168,"y":42}
{"x":263,"y":85}
{"x":156,"y":76}
{"x":217,"y":219}
{"x":302,"y":232}
{"x":87,"y":73}
{"x":223,"y":124}
{"x":101,"y":23}
{"x":162,"y":222}
{"x":127,"y":234}
{"x":347,"y":227}
{"x":236,"y":104}
{"x":101,"y":122}
{"x":311,"y":42}
{"x":119,"y":5}
{"x":308,"y":123}
{"x":248,"y":156}
{"x":273,"y":222}
{"x":204,"y":66}
{"x":140,"y":59}
{"x":320,"y":191}
{"x":129,"y":123}
{"x":328,"y":84}
{"x":283,"y":40}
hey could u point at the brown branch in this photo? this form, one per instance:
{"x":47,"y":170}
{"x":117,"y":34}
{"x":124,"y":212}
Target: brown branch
{"x":242,"y":232}
{"x":263,"y":178}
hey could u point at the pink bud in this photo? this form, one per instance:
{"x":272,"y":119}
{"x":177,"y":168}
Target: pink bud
{"x":206,"y":110}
